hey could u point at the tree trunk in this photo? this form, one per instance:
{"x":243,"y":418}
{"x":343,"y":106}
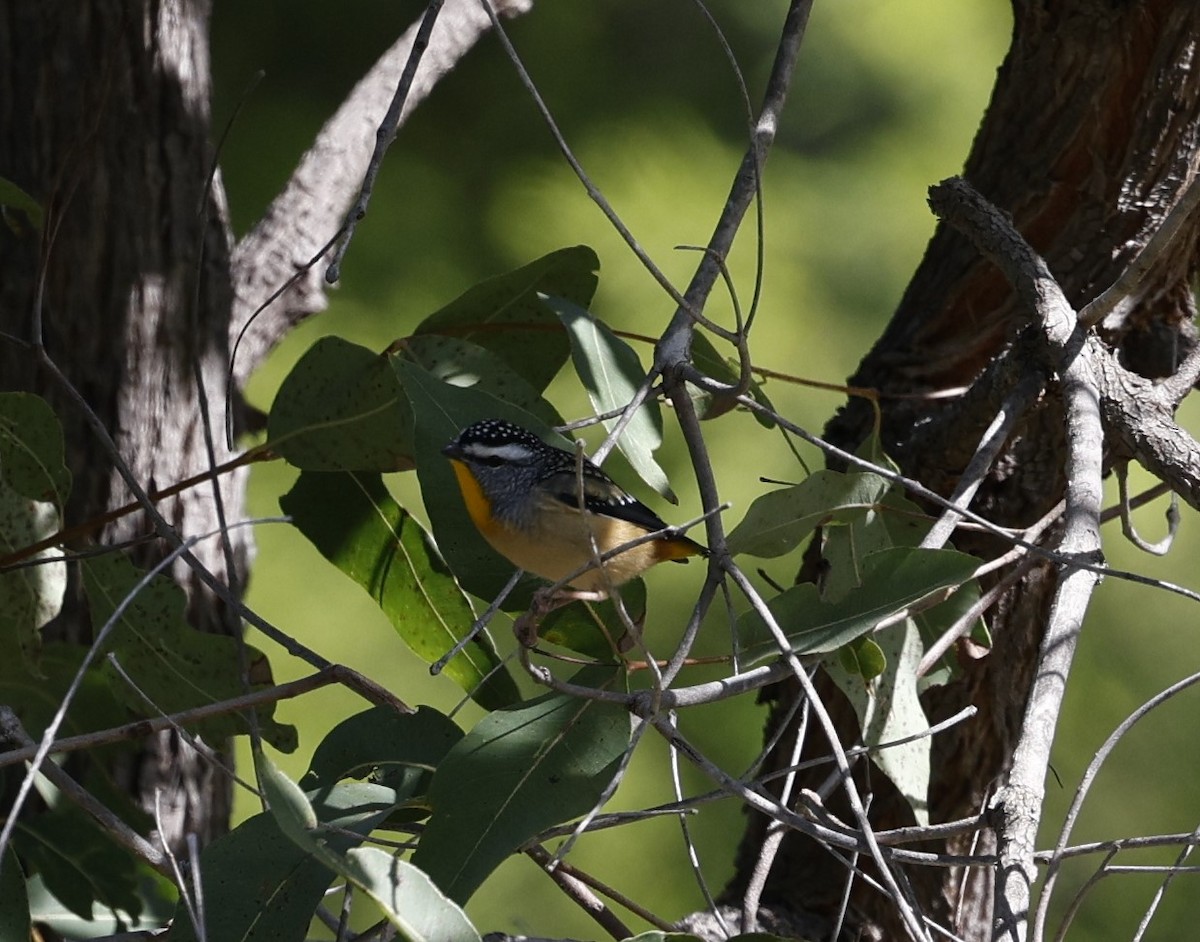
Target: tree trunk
{"x":1085,"y":151}
{"x":104,"y":119}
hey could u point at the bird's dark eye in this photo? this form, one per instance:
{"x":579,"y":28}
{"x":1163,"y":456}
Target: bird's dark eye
{"x":492,"y":461}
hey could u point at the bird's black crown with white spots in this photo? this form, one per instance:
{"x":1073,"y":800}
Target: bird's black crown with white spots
{"x":508,"y":461}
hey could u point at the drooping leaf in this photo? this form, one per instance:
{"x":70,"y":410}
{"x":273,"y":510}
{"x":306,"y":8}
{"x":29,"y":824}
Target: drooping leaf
{"x":778,"y":521}
{"x":398,"y":750}
{"x":442,"y":411}
{"x":14,"y":899}
{"x":543,"y":763}
{"x":261,"y":886}
{"x":889,"y":709}
{"x":286,"y":801}
{"x":612,"y":373}
{"x":357,"y":526}
{"x":884,"y":689}
{"x":31,"y":594}
{"x":891,"y":580}
{"x":409,"y":899}
{"x":505,"y":314}
{"x":709,"y":362}
{"x":174,"y":665}
{"x":342,"y":409}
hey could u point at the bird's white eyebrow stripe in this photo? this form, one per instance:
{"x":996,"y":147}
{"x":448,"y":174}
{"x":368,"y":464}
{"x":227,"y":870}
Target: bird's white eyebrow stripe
{"x":509,"y":451}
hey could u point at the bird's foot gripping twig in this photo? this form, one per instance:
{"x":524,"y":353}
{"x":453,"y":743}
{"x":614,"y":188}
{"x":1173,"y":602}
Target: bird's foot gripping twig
{"x":544,"y":602}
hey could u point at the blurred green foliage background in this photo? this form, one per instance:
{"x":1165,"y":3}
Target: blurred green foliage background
{"x":886,"y":100}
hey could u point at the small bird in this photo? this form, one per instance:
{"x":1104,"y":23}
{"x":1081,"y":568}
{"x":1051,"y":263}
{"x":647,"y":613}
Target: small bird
{"x":523,"y":496}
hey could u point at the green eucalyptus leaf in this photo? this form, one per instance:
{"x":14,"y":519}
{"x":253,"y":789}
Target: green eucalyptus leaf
{"x":342,"y":409}
{"x":398,"y":750}
{"x":518,"y":772}
{"x":612,"y":374}
{"x":173,"y":664}
{"x":356,"y":524}
{"x":409,"y":899}
{"x":262,"y":886}
{"x":461,"y":363}
{"x":506,"y":315}
{"x":892,"y":580}
{"x":778,"y":521}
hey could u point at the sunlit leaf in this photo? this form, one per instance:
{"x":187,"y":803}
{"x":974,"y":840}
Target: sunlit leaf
{"x":355,"y":524}
{"x":34,"y":486}
{"x":889,"y":709}
{"x":341,"y":408}
{"x":612,"y":373}
{"x":409,"y":899}
{"x":32,"y":593}
{"x":156,"y":897}
{"x":542,"y":763}
{"x":506,"y":315}
{"x":459,"y":362}
{"x":778,"y":521}
{"x":892,"y":580}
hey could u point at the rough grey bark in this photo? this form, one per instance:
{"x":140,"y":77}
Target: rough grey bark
{"x":1090,"y":136}
{"x":104,"y":119}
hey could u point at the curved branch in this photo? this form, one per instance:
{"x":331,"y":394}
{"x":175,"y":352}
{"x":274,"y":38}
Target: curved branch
{"x":305,"y":216}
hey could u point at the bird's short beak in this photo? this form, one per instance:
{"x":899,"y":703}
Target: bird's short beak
{"x":452,"y":450}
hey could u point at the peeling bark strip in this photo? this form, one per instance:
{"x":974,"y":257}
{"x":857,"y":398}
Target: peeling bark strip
{"x":1087,"y":154}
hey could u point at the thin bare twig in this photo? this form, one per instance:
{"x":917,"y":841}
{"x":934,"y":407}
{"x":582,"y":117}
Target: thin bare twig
{"x":1019,"y":399}
{"x":11,"y":730}
{"x":579,"y":892}
{"x":1163,"y":546}
{"x":1059,"y":853}
{"x":384,"y":137}
{"x":1019,"y":803}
